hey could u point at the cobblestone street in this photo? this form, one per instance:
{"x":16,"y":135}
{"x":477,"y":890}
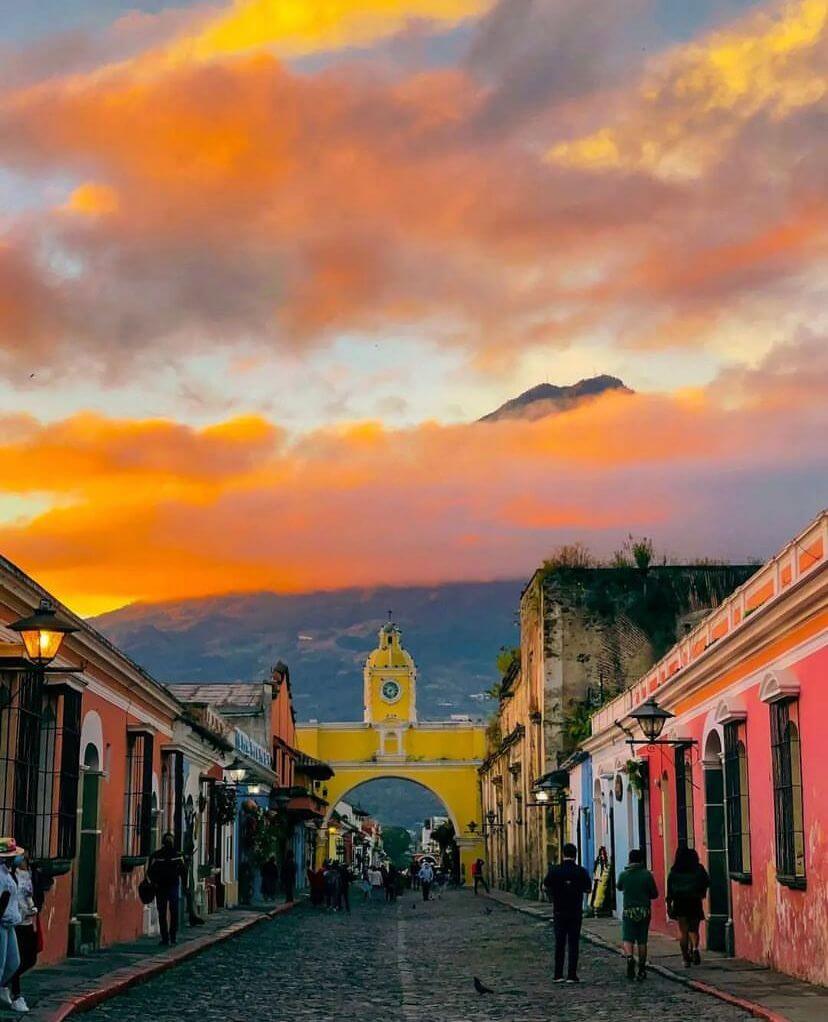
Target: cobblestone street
{"x":403,"y":963}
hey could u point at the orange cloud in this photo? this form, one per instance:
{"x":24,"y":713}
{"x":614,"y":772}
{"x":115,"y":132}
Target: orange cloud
{"x":92,"y":199}
{"x":233,"y":197}
{"x":153,"y":509}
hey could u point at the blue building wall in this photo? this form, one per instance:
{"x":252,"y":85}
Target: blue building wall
{"x":585,"y":807}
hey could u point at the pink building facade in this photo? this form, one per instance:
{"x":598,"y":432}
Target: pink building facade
{"x":742,"y":780}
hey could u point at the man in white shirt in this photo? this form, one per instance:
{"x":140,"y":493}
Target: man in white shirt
{"x":375,"y":876}
{"x":426,"y":877}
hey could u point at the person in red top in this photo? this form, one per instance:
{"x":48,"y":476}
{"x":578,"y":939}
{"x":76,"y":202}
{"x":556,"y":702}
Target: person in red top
{"x":477,"y":875}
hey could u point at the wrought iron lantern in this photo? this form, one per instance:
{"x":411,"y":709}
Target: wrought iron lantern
{"x":43,"y":633}
{"x":237,"y":771}
{"x":651,"y":719}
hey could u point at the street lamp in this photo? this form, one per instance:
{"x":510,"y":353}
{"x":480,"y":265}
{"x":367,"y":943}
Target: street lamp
{"x":651,"y":718}
{"x":42,"y":633}
{"x":237,"y":771}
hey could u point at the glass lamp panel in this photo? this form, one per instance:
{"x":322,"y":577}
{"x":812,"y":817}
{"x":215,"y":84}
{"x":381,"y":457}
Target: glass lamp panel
{"x":41,"y":645}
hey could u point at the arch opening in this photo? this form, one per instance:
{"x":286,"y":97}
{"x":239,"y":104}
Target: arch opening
{"x":397,"y":800}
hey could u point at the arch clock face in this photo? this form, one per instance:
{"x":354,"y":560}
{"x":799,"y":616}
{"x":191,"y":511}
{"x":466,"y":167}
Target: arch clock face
{"x":390,"y":691}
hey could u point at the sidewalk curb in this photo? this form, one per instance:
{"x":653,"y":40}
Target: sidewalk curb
{"x":757,"y":1010}
{"x":123,"y":979}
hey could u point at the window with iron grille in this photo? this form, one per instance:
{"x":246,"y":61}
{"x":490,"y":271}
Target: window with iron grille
{"x":21,"y":699}
{"x":684,"y":796}
{"x":736,"y":799}
{"x":214,"y":826}
{"x":58,"y":771}
{"x":787,"y":792}
{"x":138,"y":796}
{"x":172,"y":795}
{"x":39,"y":752}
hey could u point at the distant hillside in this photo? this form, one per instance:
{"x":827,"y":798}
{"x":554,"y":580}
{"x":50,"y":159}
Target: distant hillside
{"x":453,"y":631}
{"x":547,"y":399}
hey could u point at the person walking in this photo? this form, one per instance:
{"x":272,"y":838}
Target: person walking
{"x":316,"y":882}
{"x":390,"y":879}
{"x":331,"y":879}
{"x":599,"y":899}
{"x":687,"y":884}
{"x":366,"y":883}
{"x":25,"y":930}
{"x":375,"y":876}
{"x":566,"y":885}
{"x":477,"y":875}
{"x":289,"y":875}
{"x":344,"y":892}
{"x":165,"y":870}
{"x":638,"y":886}
{"x":270,"y":878}
{"x":413,"y":875}
{"x":426,"y":878}
{"x":9,"y":919}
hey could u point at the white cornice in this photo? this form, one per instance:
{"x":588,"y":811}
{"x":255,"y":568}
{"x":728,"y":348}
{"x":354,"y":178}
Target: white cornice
{"x":136,"y":711}
{"x":86,"y":643}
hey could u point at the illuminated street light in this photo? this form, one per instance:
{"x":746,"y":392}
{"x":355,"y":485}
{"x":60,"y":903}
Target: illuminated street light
{"x":42,"y":633}
{"x":237,"y":771}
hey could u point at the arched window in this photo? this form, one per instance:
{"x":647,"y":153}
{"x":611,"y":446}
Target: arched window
{"x":736,"y":800}
{"x":787,"y":793}
{"x":684,"y":796}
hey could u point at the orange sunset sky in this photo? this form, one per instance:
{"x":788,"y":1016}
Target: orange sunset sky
{"x":264,"y":263}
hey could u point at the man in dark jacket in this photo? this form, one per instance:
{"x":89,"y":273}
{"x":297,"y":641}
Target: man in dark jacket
{"x":566,"y":885}
{"x":165,"y":870}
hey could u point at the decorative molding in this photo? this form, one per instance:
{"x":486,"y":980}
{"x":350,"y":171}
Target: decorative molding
{"x":412,"y":765}
{"x":779,"y":684}
{"x":730,"y":710}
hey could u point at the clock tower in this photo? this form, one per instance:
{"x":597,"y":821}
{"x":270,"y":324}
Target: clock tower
{"x":390,"y":682}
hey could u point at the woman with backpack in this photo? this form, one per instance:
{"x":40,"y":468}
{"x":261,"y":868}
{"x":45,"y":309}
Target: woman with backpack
{"x":687,"y":885}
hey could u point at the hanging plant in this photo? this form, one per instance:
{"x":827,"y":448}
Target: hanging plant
{"x":224,"y":803}
{"x":270,"y":836}
{"x":636,"y":774}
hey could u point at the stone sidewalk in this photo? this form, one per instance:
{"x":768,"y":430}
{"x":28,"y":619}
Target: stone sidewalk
{"x":771,"y":995}
{"x":53,"y":992}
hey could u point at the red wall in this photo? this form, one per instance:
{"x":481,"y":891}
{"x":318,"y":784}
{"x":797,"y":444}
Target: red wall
{"x":119,"y":907}
{"x":773,"y":924}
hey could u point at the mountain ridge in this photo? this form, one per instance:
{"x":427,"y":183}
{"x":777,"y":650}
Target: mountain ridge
{"x":453,"y":630}
{"x":549,"y":398}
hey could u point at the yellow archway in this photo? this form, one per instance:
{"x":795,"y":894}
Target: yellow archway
{"x":443,"y":756}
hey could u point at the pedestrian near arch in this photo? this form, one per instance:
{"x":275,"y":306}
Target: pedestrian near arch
{"x":477,"y":875}
{"x":426,"y":877}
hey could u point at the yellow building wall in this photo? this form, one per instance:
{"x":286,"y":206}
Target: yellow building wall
{"x":442,"y":759}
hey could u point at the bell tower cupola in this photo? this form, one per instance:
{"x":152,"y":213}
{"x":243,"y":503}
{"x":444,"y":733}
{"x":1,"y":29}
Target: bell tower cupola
{"x":390,"y":681}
